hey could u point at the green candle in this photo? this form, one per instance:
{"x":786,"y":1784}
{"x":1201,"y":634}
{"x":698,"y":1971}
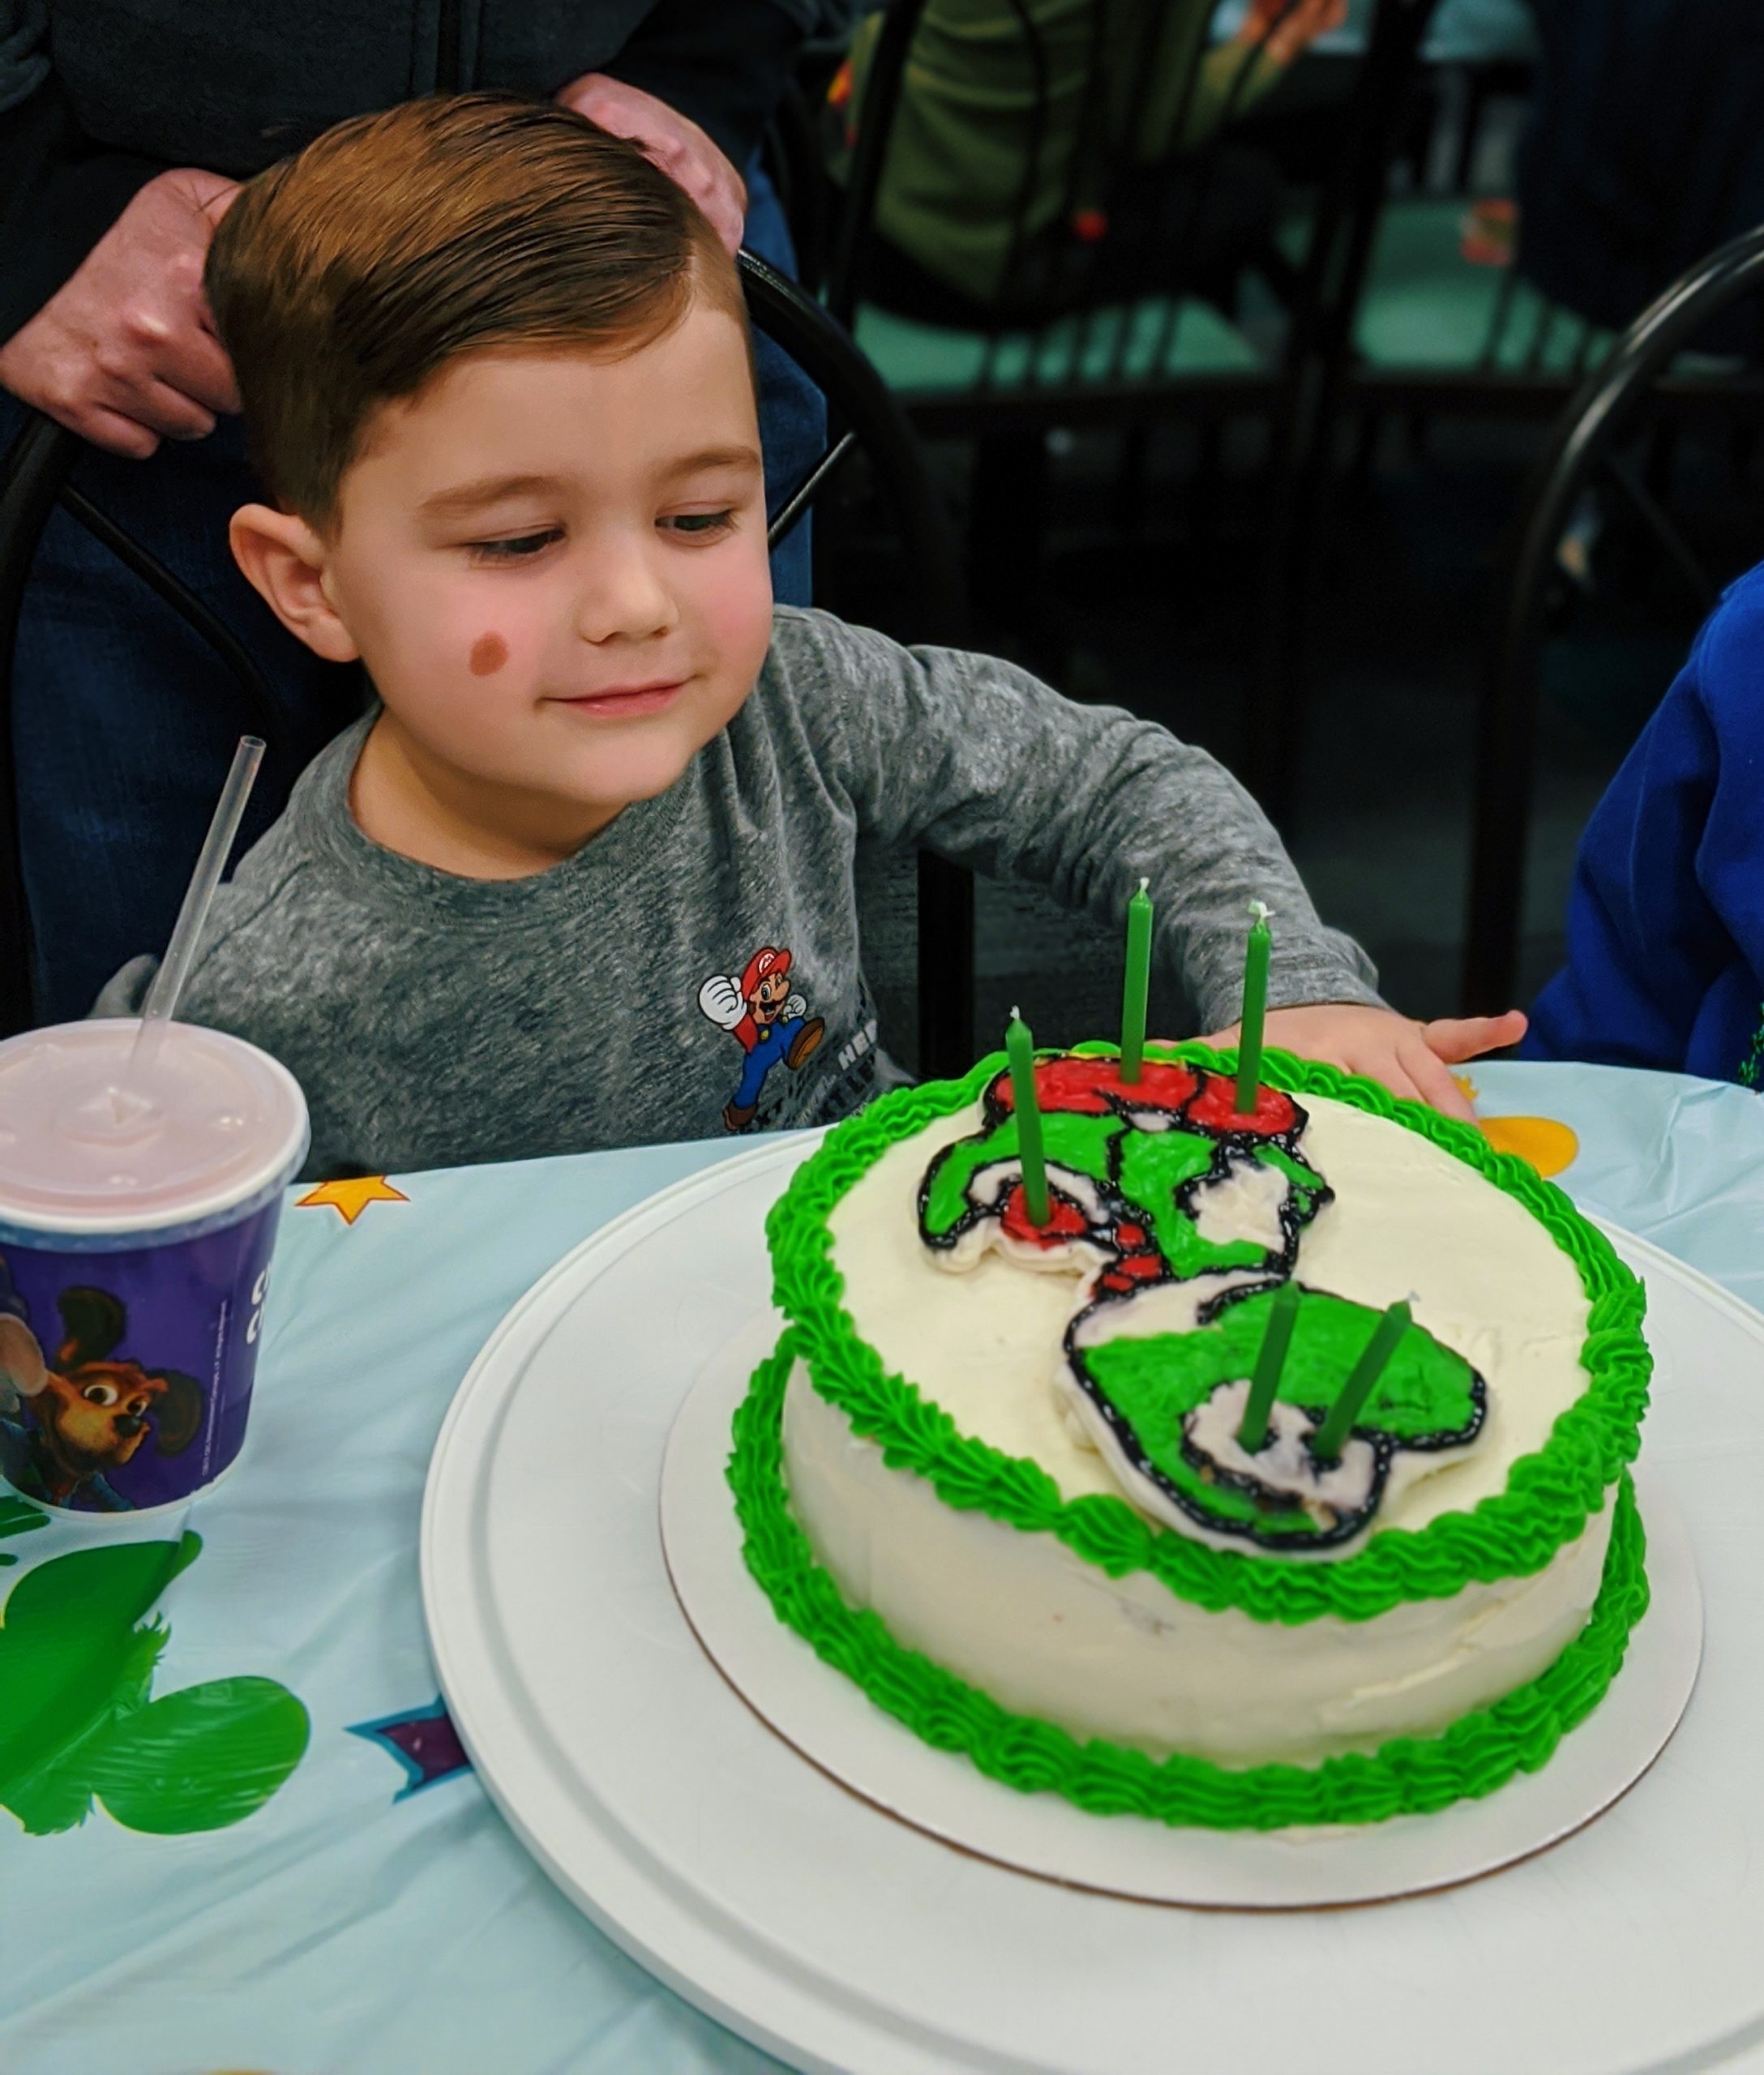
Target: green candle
{"x":1282,"y":1317}
{"x":1326,"y":1442}
{"x":1138,"y":984}
{"x":1255,"y":1009}
{"x":1020,"y":1049}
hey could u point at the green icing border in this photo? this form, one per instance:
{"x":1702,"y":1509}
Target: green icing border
{"x":1408,"y":1775}
{"x":1513,"y":1533}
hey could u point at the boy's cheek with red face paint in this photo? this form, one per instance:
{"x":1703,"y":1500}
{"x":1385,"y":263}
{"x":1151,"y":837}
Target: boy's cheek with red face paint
{"x":490,"y":652}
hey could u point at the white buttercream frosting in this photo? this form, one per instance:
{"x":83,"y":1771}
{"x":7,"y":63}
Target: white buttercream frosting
{"x":1027,"y":1620}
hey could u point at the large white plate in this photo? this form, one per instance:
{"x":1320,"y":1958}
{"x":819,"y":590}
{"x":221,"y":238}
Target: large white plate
{"x":828,"y":1720}
{"x":823,"y":1928}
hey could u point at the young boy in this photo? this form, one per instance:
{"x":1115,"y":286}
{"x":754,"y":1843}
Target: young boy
{"x":584,"y":876}
{"x":1666,"y":920}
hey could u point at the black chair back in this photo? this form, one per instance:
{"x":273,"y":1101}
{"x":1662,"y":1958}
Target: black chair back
{"x":1110,"y":96}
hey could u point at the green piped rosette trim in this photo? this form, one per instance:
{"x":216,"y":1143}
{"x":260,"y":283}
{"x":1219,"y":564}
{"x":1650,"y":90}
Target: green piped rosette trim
{"x":1513,"y":1533}
{"x":1409,"y":1775}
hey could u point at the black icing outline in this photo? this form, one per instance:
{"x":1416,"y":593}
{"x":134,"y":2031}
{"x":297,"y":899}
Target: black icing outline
{"x":1385,"y":1446}
{"x":1122,"y":1210}
{"x":1280,"y":1269}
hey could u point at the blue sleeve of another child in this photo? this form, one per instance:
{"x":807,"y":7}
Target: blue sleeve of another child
{"x":1666,"y":918}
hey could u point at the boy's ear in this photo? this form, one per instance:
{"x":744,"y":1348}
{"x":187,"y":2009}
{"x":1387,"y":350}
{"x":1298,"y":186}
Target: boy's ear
{"x":284,"y":560}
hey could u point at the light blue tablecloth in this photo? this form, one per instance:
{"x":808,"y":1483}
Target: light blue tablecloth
{"x":375,"y":1917}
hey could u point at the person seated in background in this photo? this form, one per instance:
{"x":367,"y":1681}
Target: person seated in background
{"x":1000,"y":92}
{"x":583,"y":877}
{"x":1642,"y":153}
{"x":1666,"y":916}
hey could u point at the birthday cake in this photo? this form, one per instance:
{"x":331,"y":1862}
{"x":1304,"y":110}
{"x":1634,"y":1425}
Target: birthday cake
{"x":1239,"y":1470}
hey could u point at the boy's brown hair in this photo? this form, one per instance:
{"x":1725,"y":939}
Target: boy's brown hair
{"x":347,"y":277}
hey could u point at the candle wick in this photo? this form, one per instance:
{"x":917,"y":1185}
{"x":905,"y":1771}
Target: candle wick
{"x":1143,"y":883}
{"x":1261,"y":911}
{"x":1017,"y":1014}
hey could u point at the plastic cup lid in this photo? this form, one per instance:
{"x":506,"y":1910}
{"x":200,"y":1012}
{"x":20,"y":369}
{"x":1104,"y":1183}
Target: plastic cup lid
{"x":85,"y":1148}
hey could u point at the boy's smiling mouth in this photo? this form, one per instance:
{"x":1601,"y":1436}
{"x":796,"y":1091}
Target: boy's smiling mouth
{"x":626,"y":701}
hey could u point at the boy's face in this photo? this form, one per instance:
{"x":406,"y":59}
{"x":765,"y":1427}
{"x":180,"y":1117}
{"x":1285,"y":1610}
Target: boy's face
{"x":554,"y":566}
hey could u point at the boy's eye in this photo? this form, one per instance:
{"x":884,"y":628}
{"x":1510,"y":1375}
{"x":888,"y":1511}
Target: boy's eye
{"x":517,"y":550}
{"x":698,"y":523}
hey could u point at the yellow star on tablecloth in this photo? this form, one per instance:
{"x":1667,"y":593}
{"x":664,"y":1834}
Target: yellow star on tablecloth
{"x":1548,"y":1145}
{"x":351,"y":1196}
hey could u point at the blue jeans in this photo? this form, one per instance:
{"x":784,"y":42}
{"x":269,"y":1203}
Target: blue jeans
{"x":124,"y":722}
{"x":770,"y":1044}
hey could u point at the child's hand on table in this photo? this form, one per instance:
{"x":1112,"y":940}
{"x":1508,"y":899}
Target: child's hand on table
{"x":1411,"y":1060}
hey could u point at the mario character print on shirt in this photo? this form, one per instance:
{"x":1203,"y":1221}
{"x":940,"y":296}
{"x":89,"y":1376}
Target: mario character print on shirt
{"x":768,"y":1018}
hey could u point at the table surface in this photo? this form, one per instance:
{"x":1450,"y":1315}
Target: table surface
{"x":373,"y":1912}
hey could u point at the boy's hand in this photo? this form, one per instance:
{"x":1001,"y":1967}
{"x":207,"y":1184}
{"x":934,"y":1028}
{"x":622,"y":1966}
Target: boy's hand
{"x":670,"y":140}
{"x":1411,"y":1060}
{"x":124,"y":353}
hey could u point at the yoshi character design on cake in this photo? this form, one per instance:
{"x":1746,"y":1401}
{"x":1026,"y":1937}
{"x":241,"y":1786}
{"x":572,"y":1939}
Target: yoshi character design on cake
{"x":1183,"y":1222}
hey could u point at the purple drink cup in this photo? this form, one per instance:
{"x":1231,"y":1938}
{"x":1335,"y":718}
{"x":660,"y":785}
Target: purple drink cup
{"x":138,"y":1204}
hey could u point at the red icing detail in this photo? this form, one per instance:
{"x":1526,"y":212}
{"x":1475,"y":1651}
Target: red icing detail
{"x":1080,"y":1085}
{"x":1131,"y":1236}
{"x":1215,"y":1109}
{"x":1065,"y":1221}
{"x":1138,"y":1268}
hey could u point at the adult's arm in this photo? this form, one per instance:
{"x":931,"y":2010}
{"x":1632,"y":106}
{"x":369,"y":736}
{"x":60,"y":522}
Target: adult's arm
{"x":722,"y":63}
{"x":59,"y":192}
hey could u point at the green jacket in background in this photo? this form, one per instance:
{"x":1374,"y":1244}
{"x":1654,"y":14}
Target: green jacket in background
{"x":953,"y":172}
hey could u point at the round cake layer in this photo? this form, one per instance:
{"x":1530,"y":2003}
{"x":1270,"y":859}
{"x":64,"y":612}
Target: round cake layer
{"x":1047,"y":1634}
{"x":1479,"y":1753}
{"x":955,"y":1473}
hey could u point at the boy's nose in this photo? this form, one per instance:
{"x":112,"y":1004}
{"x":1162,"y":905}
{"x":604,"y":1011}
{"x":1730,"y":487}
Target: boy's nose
{"x":624,"y":596}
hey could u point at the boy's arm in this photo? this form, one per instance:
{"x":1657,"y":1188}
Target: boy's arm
{"x":1644,"y":939}
{"x":980,"y":761}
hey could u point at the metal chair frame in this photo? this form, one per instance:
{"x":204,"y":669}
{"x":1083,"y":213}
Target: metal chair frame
{"x":1036,"y":402}
{"x":35,"y":480}
{"x":1631,"y":382}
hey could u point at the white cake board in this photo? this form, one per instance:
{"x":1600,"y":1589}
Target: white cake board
{"x":820,"y":1926}
{"x":830,"y":1721}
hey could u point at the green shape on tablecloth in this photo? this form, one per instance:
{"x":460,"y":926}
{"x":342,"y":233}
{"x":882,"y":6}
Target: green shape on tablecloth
{"x":78,"y":1647}
{"x":16,"y":1517}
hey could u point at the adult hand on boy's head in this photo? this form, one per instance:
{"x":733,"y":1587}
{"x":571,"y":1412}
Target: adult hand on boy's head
{"x":1285,"y":28}
{"x":670,"y":140}
{"x":124,"y":353}
{"x":1411,"y":1060}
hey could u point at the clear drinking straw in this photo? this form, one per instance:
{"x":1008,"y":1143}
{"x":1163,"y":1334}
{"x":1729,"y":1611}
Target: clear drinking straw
{"x":174,"y":968}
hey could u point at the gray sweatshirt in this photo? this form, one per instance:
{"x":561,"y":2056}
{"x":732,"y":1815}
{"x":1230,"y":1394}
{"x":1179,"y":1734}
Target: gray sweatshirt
{"x":696,"y":968}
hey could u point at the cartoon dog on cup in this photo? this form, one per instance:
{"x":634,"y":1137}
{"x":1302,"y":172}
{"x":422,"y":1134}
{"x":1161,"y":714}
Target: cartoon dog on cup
{"x":64,"y":1424}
